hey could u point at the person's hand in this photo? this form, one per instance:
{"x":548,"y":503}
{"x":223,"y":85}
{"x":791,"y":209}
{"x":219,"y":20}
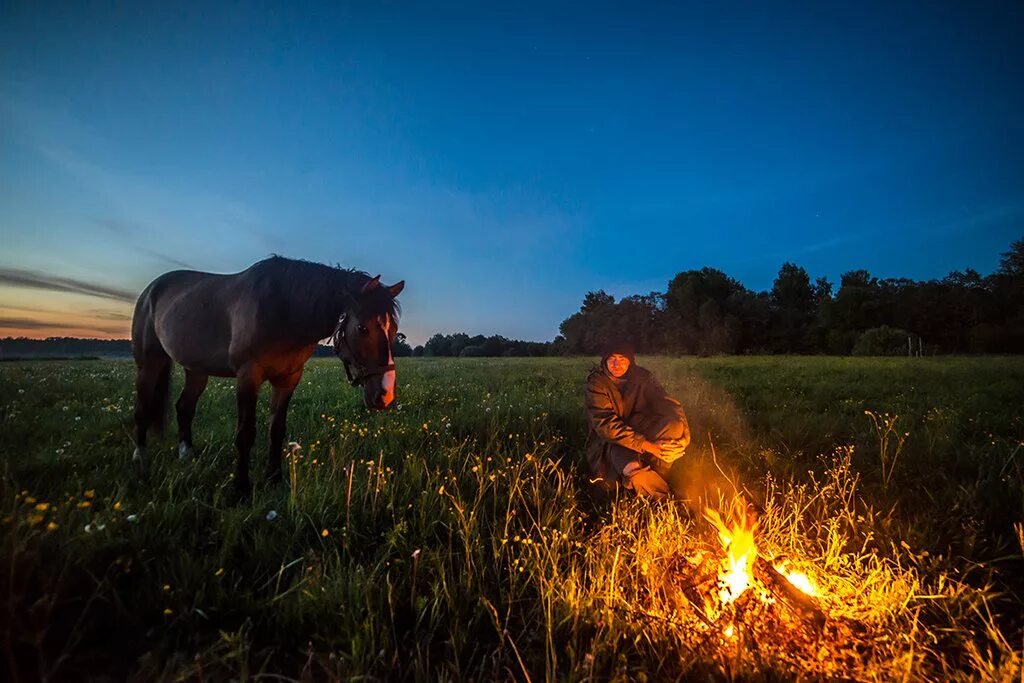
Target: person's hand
{"x":671,"y":450}
{"x":652,"y":447}
{"x":684,"y":441}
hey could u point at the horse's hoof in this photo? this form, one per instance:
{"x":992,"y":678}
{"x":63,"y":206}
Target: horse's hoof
{"x":141,"y":464}
{"x":241,"y":492}
{"x":186,"y":452}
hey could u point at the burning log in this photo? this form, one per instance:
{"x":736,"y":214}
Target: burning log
{"x":743,"y":565}
{"x":783,"y":590}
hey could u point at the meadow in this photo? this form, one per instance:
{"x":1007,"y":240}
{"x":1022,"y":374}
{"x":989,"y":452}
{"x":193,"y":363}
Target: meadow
{"x":456,"y":536}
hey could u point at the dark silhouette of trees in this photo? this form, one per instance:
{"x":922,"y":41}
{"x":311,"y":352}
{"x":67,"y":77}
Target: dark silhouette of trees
{"x":707,"y":312}
{"x":461,"y":344}
{"x":401,"y":347}
{"x":64,"y":347}
{"x":794,"y":303}
{"x":1008,"y":291}
{"x":702,"y":307}
{"x":600,"y":318}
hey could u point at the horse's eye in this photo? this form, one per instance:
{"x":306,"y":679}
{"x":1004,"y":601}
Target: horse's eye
{"x":362,"y":330}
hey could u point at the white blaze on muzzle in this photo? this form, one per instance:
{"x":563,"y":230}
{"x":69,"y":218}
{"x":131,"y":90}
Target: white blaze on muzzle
{"x":387,"y":382}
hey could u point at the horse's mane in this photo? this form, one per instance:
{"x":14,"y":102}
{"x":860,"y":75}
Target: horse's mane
{"x":321,"y":286}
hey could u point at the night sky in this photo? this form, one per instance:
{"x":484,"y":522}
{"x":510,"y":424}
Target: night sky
{"x":502,"y":161}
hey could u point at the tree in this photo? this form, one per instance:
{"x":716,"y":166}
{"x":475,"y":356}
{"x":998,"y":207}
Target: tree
{"x":855,"y":308}
{"x":594,"y":301}
{"x":822,"y":291}
{"x":794,"y":303}
{"x":701,"y":312}
{"x":400,"y":347}
{"x":1012,"y":263}
{"x":792,"y":289}
{"x":600,"y":320}
{"x":1008,"y":291}
{"x":437,"y":345}
{"x":883,"y":341}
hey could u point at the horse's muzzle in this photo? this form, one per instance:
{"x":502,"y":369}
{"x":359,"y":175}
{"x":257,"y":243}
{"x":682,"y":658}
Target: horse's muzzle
{"x":380,"y":401}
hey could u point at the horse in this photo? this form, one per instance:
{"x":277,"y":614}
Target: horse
{"x":259,"y":325}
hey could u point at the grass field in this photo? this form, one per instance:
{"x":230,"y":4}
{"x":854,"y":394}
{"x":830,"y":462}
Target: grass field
{"x":455,"y":537}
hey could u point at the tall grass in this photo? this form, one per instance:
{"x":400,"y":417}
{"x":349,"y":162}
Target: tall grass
{"x":455,"y":537}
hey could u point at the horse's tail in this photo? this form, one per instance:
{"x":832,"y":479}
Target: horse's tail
{"x":153,"y":368}
{"x":160,"y":399}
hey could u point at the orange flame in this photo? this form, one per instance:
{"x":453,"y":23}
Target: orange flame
{"x":737,"y":538}
{"x":798,"y":579}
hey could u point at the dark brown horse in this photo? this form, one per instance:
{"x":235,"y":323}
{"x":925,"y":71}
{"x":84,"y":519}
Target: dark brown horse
{"x":260,"y":325}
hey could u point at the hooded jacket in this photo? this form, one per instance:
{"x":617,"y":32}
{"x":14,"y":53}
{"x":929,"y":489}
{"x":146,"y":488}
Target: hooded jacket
{"x":616,"y":410}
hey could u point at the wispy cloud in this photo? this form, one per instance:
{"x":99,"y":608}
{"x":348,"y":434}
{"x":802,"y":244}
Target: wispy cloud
{"x":109,"y":315}
{"x":163,"y":218}
{"x":796,"y":252}
{"x":130,"y":233}
{"x":25,"y":323}
{"x":15,"y":277}
{"x":8,"y":323}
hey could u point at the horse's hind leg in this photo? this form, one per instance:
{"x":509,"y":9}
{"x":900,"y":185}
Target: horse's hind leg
{"x":195,"y":384}
{"x":282,"y":395}
{"x":247,"y":390}
{"x":152,"y":384}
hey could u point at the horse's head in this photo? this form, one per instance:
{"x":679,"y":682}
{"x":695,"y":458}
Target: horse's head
{"x":363,"y":341}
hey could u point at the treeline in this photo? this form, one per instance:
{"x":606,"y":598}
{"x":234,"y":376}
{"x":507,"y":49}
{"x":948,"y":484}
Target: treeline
{"x":400,"y":347}
{"x":707,"y":312}
{"x":461,"y":344}
{"x":64,"y":347}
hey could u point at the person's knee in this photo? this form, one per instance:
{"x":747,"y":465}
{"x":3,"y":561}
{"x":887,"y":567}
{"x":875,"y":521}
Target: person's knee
{"x":675,"y":429}
{"x":649,"y":483}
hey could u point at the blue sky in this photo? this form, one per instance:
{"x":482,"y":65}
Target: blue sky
{"x":503,"y":161}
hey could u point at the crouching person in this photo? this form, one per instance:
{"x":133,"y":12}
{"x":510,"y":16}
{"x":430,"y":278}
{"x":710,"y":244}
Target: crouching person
{"x":636,"y":429}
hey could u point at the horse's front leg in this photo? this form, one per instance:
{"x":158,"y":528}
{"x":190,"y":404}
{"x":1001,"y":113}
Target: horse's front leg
{"x":284,"y":387}
{"x":195,"y":385}
{"x":247,"y":390}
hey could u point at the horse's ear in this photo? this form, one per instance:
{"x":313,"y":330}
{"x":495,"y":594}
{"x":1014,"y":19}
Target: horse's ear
{"x":371,"y":285}
{"x":396,"y":288}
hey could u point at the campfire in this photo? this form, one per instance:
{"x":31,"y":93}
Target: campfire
{"x":733,"y":596}
{"x":743,"y":569}
{"x":801,"y":589}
